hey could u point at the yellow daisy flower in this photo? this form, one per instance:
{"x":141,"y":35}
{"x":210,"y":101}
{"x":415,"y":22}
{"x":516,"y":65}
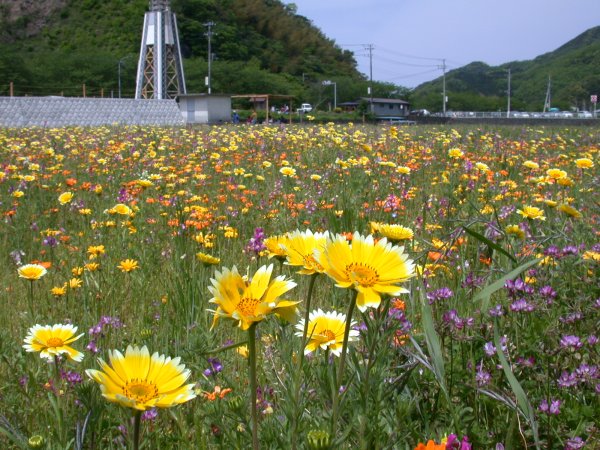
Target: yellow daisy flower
{"x":532,"y":212}
{"x":127,"y":265}
{"x":53,"y":340}
{"x":570,"y":211}
{"x":275,"y":246}
{"x":395,"y":232}
{"x":300,"y":247}
{"x":140,"y":381}
{"x":65,"y":198}
{"x":251,"y":301}
{"x":371,"y":268}
{"x":31,"y":271}
{"x":584,"y":163}
{"x":207,"y":260}
{"x":326,"y":331}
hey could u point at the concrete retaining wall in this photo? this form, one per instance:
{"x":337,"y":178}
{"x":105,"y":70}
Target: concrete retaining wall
{"x":66,"y":111}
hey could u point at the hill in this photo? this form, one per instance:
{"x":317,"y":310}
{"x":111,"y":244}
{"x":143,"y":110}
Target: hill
{"x":54,"y":46}
{"x":573,"y":69}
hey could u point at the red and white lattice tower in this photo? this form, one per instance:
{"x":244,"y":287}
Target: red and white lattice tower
{"x":160,"y":67}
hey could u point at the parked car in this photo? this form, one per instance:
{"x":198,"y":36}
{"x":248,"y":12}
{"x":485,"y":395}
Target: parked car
{"x":305,"y":108}
{"x":584,"y":115}
{"x":420,"y":112}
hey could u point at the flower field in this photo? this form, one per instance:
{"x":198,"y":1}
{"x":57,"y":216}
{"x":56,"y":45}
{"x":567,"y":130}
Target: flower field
{"x":300,"y":287}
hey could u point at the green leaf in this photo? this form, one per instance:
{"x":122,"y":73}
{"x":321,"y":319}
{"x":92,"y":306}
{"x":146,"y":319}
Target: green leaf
{"x":487,"y":292}
{"x":489,"y":243}
{"x":433,"y":342}
{"x":522,"y":401}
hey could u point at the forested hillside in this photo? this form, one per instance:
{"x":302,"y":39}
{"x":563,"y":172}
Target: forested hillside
{"x":573,"y":71}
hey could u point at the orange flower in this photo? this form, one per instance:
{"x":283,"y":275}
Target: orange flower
{"x":217,"y":392}
{"x":431,"y":445}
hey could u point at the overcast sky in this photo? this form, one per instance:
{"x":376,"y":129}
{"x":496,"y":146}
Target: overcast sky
{"x":411,"y":37}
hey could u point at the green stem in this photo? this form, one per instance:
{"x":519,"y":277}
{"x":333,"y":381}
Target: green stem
{"x":340,"y":375}
{"x":31,"y":299}
{"x":252,"y":372}
{"x":59,"y":413}
{"x":137,"y":420}
{"x":298,"y":376}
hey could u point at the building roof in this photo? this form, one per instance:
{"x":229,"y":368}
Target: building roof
{"x":385,"y":100}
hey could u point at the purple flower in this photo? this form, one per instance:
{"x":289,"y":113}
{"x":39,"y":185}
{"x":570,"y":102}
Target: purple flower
{"x":454,"y":444}
{"x":482,"y":376}
{"x":592,"y":339}
{"x":215,"y":367}
{"x":551,"y":409}
{"x":547,"y":292}
{"x":496,"y":311}
{"x":521,"y":305}
{"x":489,"y":349}
{"x":71,"y":377}
{"x":256,"y":243}
{"x":571,"y":341}
{"x":574,"y":443}
{"x":150,"y":414}
{"x":566,"y":379}
{"x":440,"y":294}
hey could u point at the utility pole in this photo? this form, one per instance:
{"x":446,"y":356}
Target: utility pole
{"x":508,"y":92}
{"x":444,"y":98}
{"x":548,"y":100}
{"x":370,"y":48}
{"x":209,"y":34}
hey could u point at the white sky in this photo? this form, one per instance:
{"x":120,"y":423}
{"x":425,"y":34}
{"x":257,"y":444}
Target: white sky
{"x":411,"y":37}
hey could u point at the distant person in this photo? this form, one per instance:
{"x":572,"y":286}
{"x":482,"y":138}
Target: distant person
{"x":236,"y":117}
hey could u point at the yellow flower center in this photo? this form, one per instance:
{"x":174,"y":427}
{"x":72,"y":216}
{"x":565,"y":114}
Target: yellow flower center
{"x":247,"y":306}
{"x":140,"y":390}
{"x":54,"y":342}
{"x":361,"y":274}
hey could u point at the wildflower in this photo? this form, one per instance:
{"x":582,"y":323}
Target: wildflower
{"x":556,"y":174}
{"x":32,"y":271}
{"x":395,"y":232}
{"x":431,"y":445}
{"x":326,"y":331}
{"x":206,"y":259}
{"x":275,"y":247}
{"x":570,"y":211}
{"x":571,"y":341}
{"x":584,"y":163}
{"x":532,"y":212}
{"x":551,"y":409}
{"x":95,"y":250}
{"x":74,"y":283}
{"x":370,"y":268}
{"x":217,"y":392}
{"x":300,"y":247}
{"x":515,"y":230}
{"x":59,"y":291}
{"x":288,"y":171}
{"x":256,"y":244}
{"x":455,"y":153}
{"x":127,"y":265}
{"x":120,"y":209}
{"x":251,"y":301}
{"x":140,"y":381}
{"x":53,"y":340}
{"x":531,"y":165}
{"x":65,"y":198}
{"x":215,"y":367}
